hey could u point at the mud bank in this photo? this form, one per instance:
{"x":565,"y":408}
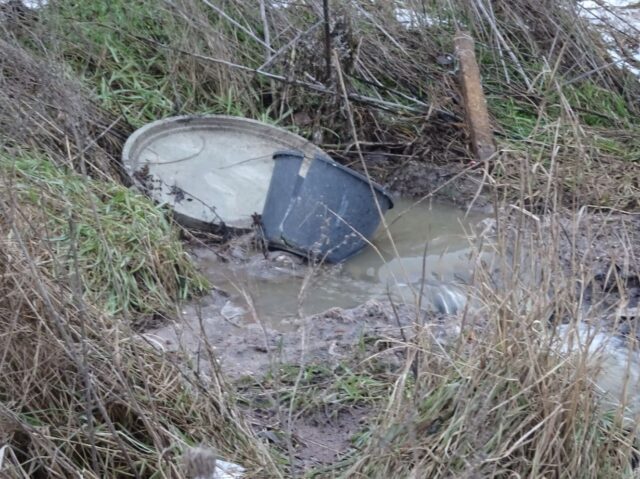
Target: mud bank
{"x":253,"y":349}
{"x":464,"y":188}
{"x":585,"y":264}
{"x":592,"y":254}
{"x":255,"y":358}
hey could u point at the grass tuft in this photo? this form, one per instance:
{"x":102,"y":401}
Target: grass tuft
{"x":125,"y":250}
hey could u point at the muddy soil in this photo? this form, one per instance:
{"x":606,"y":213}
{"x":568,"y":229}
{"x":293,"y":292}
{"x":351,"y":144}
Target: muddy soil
{"x":324,"y":439}
{"x":254,"y":349}
{"x":444,"y":182}
{"x":250,"y":349}
{"x":599,"y":250}
{"x":603,"y":246}
{"x":319,"y":437}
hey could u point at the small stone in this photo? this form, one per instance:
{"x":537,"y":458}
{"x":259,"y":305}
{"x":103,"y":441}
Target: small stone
{"x":446,"y":59}
{"x":629,"y":313}
{"x":230,"y":311}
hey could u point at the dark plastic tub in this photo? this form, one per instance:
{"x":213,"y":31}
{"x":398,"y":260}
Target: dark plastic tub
{"x":320,"y":209}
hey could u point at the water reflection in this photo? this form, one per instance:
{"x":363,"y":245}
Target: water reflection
{"x":427,"y":250}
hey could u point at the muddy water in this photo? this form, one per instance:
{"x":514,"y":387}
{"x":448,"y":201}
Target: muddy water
{"x":427,"y":238}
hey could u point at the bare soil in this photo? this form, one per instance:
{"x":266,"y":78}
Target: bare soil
{"x":600,"y":247}
{"x":451,"y":182}
{"x":254,"y":349}
{"x":319,"y":438}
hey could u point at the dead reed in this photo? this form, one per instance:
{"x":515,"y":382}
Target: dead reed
{"x":83,"y":394}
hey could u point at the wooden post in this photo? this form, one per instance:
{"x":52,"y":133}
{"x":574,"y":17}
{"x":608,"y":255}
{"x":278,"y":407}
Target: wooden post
{"x":475,"y":103}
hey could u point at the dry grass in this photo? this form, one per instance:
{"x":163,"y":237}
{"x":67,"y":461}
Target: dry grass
{"x":82,"y":257}
{"x":505,"y":406}
{"x":502,"y":401}
{"x":537,"y":59}
{"x":83,"y":394}
{"x":505,"y":399}
{"x":45,"y":110}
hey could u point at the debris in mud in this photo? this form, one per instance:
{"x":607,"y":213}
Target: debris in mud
{"x":376,"y":328}
{"x":596,"y":241}
{"x":145,"y":179}
{"x":203,"y":463}
{"x":248,"y":349}
{"x":177,"y":193}
{"x":281,"y":288}
{"x":599,"y":251}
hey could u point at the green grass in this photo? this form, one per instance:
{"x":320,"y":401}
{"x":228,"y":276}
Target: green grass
{"x":118,"y":50}
{"x":321,"y":386}
{"x":600,"y":107}
{"x":517,"y":118}
{"x":127,"y":252}
{"x":125,"y":73}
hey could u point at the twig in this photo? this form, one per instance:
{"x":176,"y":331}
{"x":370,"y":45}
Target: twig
{"x":505,"y":45}
{"x":288,"y":45}
{"x":372,"y":19}
{"x":267,"y":36}
{"x":89,"y":392}
{"x":327,"y":39}
{"x":420,"y":108}
{"x":221,"y":12}
{"x":317,"y":87}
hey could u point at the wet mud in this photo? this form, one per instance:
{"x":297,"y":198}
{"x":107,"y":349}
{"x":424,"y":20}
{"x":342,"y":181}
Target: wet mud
{"x":274,"y":309}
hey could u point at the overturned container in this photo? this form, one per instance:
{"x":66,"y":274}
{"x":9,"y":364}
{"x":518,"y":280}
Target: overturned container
{"x":318,"y":208}
{"x":213,"y":170}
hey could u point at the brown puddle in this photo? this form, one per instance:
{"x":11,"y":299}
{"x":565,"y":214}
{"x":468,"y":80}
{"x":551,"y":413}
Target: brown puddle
{"x":283,"y":289}
{"x":263,"y":310}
